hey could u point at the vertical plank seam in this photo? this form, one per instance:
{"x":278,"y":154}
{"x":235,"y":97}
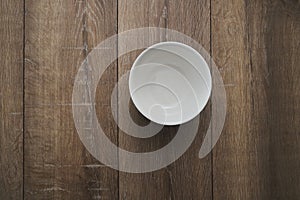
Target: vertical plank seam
{"x":85,"y":32}
{"x":249,"y":62}
{"x":166,"y":4}
{"x":117,"y":103}
{"x":23,"y":102}
{"x":210,"y":50}
{"x":249,"y":50}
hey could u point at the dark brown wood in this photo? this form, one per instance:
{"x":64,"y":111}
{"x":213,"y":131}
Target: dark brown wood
{"x":11,"y":99}
{"x":255,"y":43}
{"x":155,"y":185}
{"x":189,"y":177}
{"x":59,"y":35}
{"x":283,"y":64}
{"x":235,"y":155}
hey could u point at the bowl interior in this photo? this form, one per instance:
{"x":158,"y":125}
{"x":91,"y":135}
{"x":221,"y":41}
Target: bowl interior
{"x":170,"y":83}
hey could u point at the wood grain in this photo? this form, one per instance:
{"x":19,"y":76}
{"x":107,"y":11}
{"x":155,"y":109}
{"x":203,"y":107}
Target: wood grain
{"x":59,"y":35}
{"x":283,"y":62}
{"x":189,"y":177}
{"x":235,"y":156}
{"x":254,"y":44}
{"x":11,"y":99}
{"x":146,"y":185}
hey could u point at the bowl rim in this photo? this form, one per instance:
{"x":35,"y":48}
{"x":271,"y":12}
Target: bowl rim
{"x":199,"y":108}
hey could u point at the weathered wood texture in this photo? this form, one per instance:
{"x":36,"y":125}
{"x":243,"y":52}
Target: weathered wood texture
{"x":59,"y":35}
{"x":283,"y":64}
{"x":256,"y":45}
{"x":11,"y":99}
{"x":189,"y":177}
{"x":140,"y":186}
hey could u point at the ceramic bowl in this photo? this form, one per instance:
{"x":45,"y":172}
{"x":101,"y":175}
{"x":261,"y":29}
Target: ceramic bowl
{"x":170,"y":83}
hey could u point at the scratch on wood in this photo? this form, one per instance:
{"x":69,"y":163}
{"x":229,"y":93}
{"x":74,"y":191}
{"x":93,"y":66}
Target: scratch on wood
{"x":85,"y":48}
{"x":69,"y":165}
{"x":50,"y":189}
{"x":86,"y":166}
{"x":73,"y":48}
{"x":105,"y":48}
{"x":57,"y":166}
{"x":98,"y":197}
{"x":98,"y":189}
{"x":165,"y":13}
{"x":93,"y":166}
{"x":53,"y":189}
{"x":27,"y":60}
{"x":15,"y":113}
{"x":62,"y":104}
{"x":171,"y":182}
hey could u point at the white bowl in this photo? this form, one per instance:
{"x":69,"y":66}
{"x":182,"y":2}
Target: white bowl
{"x":170,"y":83}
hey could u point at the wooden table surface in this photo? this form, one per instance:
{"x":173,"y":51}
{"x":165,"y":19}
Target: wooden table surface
{"x":256,"y":45}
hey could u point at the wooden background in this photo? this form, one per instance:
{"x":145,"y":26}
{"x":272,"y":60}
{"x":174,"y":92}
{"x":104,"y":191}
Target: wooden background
{"x":255,"y":43}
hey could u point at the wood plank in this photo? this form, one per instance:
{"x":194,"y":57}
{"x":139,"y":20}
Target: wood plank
{"x":283,"y":61}
{"x":251,"y":160}
{"x":59,"y":34}
{"x":11,"y":99}
{"x":145,"y":185}
{"x":235,"y":156}
{"x":188,"y":177}
{"x":191,"y":176}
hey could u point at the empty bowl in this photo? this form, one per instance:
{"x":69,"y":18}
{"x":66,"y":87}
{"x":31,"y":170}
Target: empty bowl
{"x":170,"y":83}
